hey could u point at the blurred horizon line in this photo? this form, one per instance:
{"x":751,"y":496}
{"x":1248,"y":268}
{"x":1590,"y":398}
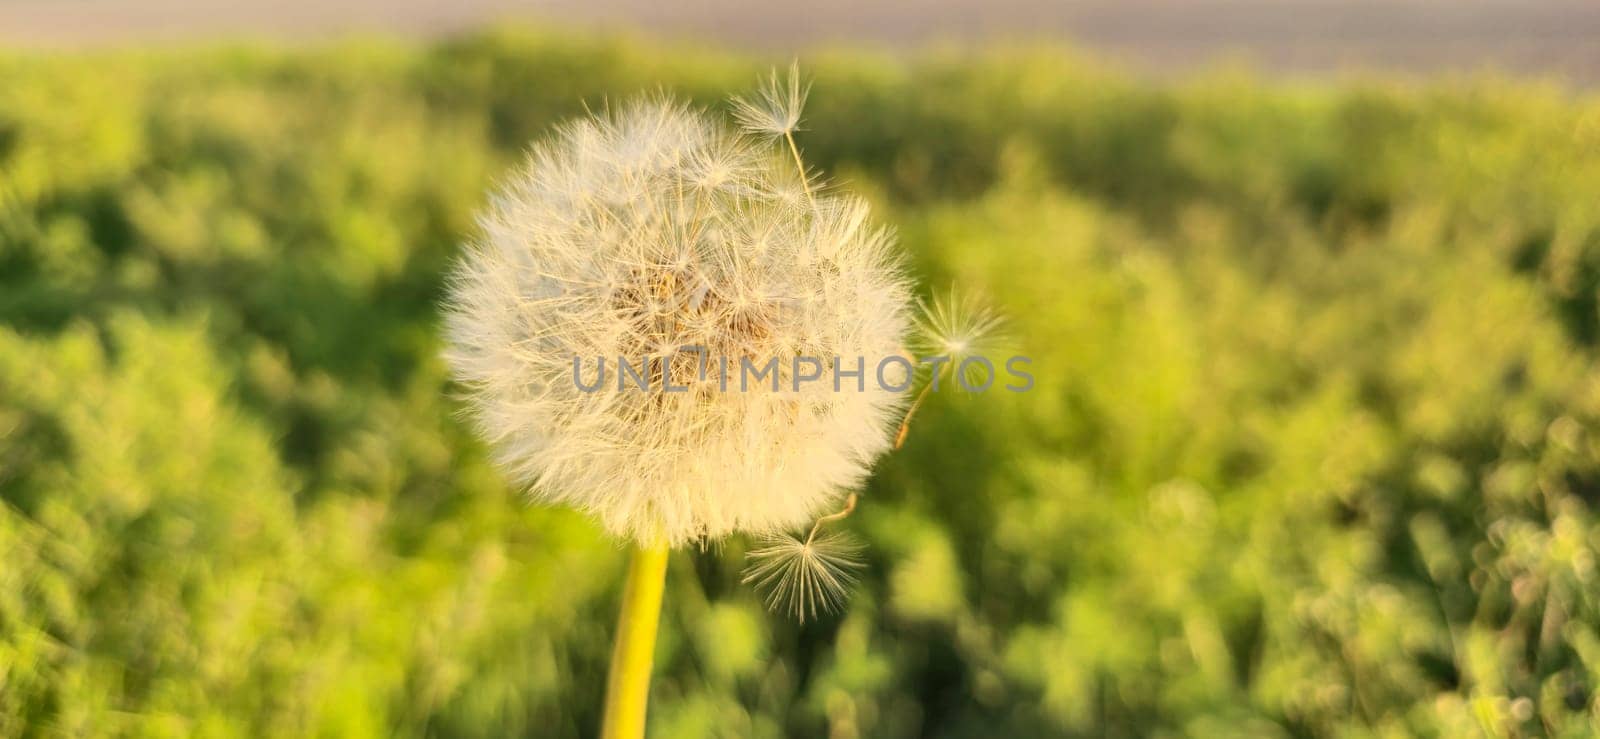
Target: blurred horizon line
{"x":1557,"y":39}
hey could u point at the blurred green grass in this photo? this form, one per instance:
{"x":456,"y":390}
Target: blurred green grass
{"x":1312,"y":450}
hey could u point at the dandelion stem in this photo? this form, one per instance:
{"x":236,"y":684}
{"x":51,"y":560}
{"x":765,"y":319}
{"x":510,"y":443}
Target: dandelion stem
{"x":905,"y":423}
{"x":805,"y":179}
{"x":628,"y":687}
{"x":849,"y":507}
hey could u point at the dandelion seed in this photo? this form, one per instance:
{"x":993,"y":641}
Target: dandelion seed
{"x":810,"y":576}
{"x":804,"y":577}
{"x":775,"y":112}
{"x":956,"y":326}
{"x":776,"y":107}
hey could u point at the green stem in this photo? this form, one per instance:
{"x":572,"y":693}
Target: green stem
{"x":628,"y":687}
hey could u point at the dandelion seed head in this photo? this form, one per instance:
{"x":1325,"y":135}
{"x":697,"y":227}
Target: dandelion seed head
{"x":636,"y":232}
{"x":805,"y":578}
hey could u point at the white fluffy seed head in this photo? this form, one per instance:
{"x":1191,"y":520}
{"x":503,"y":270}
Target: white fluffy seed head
{"x":646,"y":229}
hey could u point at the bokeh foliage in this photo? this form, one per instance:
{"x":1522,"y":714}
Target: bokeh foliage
{"x":1313,"y":449}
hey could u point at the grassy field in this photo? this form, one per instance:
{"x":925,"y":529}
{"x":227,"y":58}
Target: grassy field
{"x":1312,"y":450}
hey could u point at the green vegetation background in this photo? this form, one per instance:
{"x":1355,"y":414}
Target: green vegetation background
{"x":1313,"y":450}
